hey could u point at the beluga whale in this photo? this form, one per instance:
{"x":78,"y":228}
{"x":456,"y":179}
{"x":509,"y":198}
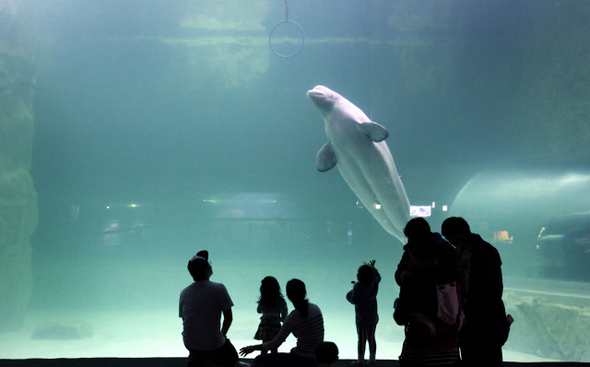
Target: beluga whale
{"x":356,"y":145}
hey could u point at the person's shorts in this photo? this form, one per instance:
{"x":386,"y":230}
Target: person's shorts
{"x":226,"y":356}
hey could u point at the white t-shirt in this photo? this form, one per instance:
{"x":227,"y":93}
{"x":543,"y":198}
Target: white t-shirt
{"x":201,"y":305}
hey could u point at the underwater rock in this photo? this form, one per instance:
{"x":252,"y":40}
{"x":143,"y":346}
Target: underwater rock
{"x":548,"y":329}
{"x":73,"y":330}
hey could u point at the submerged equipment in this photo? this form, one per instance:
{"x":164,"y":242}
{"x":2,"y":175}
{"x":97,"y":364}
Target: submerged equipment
{"x":281,"y":23}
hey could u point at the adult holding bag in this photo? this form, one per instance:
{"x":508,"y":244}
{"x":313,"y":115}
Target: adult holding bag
{"x":428,"y":305}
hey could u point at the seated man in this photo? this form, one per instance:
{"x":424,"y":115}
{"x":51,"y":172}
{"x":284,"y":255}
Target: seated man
{"x":201,"y":306}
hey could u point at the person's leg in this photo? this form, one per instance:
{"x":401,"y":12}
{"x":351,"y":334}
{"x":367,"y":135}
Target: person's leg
{"x":362,"y":333}
{"x":468,"y":349}
{"x":372,"y":344}
{"x":478,"y":353}
{"x":197,"y":359}
{"x":269,"y":360}
{"x":491,"y":356}
{"x":226,"y":356}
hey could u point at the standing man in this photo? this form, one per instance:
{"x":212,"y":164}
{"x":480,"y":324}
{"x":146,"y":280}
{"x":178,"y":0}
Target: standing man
{"x":479,"y":266}
{"x":201,"y":306}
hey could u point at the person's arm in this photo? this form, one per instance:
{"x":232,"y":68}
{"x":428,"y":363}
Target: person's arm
{"x":377,"y":275}
{"x":180,"y":311}
{"x":400,"y":313}
{"x":354,"y":296}
{"x":405,"y":305}
{"x":227,"y":320}
{"x":284,"y":311}
{"x":402,"y":268}
{"x":249,"y":349}
{"x":286,"y":329}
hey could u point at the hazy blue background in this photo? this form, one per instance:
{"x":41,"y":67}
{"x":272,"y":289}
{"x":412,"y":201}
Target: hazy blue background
{"x":181,"y":109}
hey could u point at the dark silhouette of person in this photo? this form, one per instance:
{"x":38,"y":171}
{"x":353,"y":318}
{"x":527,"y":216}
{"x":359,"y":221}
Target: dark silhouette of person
{"x":426,"y":273}
{"x":326,"y":354}
{"x":418,"y":230}
{"x":306,"y":322}
{"x":273,"y":308}
{"x":201,"y":305}
{"x":480,"y":274}
{"x":364,"y":298}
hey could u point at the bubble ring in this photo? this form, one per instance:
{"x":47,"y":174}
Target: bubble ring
{"x":300,"y":46}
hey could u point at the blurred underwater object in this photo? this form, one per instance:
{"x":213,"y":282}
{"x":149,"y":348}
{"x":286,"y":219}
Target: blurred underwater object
{"x":521,"y":199}
{"x":18,"y":198}
{"x":563,"y":244}
{"x":71,"y":330}
{"x":357,"y":146}
{"x":544,"y":214}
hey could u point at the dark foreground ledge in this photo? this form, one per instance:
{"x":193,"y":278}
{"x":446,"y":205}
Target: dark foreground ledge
{"x":180,"y":362}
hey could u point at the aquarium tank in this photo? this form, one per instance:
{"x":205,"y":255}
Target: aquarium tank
{"x":136,"y":133}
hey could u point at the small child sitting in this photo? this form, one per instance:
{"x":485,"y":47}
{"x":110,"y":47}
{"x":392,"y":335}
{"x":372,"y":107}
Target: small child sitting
{"x":326,"y":354}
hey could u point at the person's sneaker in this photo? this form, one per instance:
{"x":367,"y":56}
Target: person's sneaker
{"x":371,"y":364}
{"x":356,"y":364}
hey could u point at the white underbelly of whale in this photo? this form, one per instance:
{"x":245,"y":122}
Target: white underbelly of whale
{"x":357,"y":147}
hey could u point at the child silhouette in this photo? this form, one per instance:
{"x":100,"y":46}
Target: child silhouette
{"x":364,"y":298}
{"x":273,"y":308}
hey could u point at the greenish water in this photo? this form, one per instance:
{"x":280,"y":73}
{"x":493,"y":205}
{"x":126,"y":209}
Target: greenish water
{"x":162,"y":129}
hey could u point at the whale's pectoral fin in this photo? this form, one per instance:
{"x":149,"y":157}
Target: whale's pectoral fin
{"x":326,"y":159}
{"x":374,"y":131}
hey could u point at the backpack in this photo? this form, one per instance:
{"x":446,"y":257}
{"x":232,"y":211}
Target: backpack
{"x":449,"y":311}
{"x":449,"y":314}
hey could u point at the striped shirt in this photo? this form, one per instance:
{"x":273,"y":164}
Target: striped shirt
{"x":429,"y":356}
{"x":309,"y":331}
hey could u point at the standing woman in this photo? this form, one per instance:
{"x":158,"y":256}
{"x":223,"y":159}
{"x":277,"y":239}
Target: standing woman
{"x":307,"y":325}
{"x":430,"y":330}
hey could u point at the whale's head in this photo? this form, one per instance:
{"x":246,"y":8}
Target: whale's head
{"x":323,"y":98}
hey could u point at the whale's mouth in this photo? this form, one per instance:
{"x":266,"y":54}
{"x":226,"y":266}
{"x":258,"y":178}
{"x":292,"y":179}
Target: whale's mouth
{"x":315,"y":94}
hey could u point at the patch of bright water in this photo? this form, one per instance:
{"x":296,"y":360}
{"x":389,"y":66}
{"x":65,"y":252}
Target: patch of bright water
{"x":140,"y":324}
{"x":157,"y":334}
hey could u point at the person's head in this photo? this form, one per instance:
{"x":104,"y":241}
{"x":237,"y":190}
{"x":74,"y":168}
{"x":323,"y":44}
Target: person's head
{"x":326,"y":352}
{"x":455,"y":229}
{"x":199,"y":266}
{"x":417,"y":228}
{"x":365,"y":274}
{"x":296,"y":293}
{"x":270,"y":286}
{"x":296,"y":290}
{"x":270,"y":291}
